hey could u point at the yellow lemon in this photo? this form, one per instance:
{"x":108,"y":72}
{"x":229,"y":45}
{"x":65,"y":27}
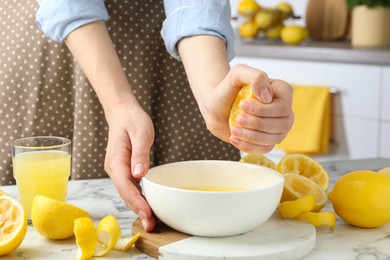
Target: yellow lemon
{"x":86,"y":238}
{"x":248,"y":30}
{"x":258,"y":159}
{"x":54,"y":219}
{"x":13,"y":225}
{"x":385,"y":171}
{"x":264,"y":19}
{"x":245,"y":92}
{"x":291,"y":209}
{"x":296,"y":186}
{"x":362,"y":198}
{"x":285,"y":8}
{"x":274,"y":31}
{"x":247,"y":8}
{"x":293,"y":34}
{"x":305,"y":166}
{"x":319,"y":218}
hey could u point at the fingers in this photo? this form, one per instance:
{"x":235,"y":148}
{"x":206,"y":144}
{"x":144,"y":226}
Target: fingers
{"x":260,"y":126}
{"x":257,"y":79}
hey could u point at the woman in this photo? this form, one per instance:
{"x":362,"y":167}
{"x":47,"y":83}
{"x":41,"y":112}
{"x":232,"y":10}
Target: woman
{"x":142,"y":89}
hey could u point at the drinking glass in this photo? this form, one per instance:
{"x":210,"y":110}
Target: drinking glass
{"x":41,"y":165}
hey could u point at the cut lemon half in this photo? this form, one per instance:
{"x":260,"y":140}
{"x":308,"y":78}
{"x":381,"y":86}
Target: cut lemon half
{"x":319,"y":218}
{"x":245,"y":92}
{"x":297,"y":186}
{"x":305,"y":166}
{"x":13,"y":225}
{"x":54,"y":219}
{"x":258,"y":159}
{"x":3,"y":193}
{"x":291,"y":209}
{"x":385,"y":171}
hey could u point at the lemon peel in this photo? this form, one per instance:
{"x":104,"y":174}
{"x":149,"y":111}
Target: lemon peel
{"x":319,"y":218}
{"x":297,"y":186}
{"x":13,"y":224}
{"x":258,"y":159}
{"x":99,"y":242}
{"x":124,"y":243}
{"x":108,"y":233}
{"x":291,"y":209}
{"x":54,"y":219}
{"x":306,"y":166}
{"x":86,"y":238}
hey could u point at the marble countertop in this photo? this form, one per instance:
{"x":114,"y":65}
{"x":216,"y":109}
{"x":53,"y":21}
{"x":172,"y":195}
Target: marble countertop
{"x":310,"y":50}
{"x":99,"y":197}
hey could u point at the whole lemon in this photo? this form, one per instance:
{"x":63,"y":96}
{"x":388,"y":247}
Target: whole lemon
{"x":286,"y":9}
{"x":293,"y":34}
{"x":248,"y":30}
{"x":248,"y":8}
{"x":265,"y":19}
{"x":274,"y":31}
{"x":362,"y":198}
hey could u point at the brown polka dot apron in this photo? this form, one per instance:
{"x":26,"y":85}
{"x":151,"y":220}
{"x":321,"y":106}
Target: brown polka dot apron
{"x":44,"y":92}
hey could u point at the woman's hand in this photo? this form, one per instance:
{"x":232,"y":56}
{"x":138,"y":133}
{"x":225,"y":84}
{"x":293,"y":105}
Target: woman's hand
{"x":265,"y":119}
{"x":131,"y":135}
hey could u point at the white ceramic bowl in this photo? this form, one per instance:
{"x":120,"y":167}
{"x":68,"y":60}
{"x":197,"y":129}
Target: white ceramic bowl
{"x":209,"y":213}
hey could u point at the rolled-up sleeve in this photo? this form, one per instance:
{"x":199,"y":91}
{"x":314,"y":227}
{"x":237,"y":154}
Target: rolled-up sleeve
{"x":197,"y":17}
{"x":57,"y":18}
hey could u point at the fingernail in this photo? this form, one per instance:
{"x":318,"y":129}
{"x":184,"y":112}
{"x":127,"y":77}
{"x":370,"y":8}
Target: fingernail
{"x":138,"y":169}
{"x":242,"y":120}
{"x":266,"y":95}
{"x":245,"y":106}
{"x":237,"y":131}
{"x":144,"y":224}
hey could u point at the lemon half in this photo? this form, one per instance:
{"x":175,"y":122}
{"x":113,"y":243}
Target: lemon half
{"x":13,"y":224}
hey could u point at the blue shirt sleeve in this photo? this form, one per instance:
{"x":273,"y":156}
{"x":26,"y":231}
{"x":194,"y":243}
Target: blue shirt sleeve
{"x":197,"y":17}
{"x":58,"y":18}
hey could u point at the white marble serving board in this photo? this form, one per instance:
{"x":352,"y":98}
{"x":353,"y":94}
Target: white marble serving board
{"x":275,"y":239}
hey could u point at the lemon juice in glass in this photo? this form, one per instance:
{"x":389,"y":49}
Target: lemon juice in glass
{"x":41,"y":165}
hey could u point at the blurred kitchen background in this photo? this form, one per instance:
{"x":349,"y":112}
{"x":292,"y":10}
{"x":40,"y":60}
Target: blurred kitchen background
{"x":356,"y":74}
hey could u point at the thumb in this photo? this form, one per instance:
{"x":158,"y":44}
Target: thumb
{"x":140,"y":156}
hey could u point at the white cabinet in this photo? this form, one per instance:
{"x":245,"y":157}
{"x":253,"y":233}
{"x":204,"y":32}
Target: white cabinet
{"x":384,"y":144}
{"x":360,"y":107}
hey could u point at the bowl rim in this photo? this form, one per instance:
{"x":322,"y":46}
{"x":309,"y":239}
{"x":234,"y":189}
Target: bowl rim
{"x":272,"y":171}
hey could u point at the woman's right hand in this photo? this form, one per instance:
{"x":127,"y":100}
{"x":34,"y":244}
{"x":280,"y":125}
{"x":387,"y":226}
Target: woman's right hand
{"x":131,"y":135}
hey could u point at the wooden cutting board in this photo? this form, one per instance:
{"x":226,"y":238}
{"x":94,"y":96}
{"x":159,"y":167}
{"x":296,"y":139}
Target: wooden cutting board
{"x":275,"y":239}
{"x":327,"y":19}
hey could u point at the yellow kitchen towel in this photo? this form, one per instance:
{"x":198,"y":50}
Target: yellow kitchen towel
{"x":311,"y":129}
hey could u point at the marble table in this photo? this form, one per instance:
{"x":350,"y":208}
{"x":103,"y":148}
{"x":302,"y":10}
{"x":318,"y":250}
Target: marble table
{"x":100,"y":198}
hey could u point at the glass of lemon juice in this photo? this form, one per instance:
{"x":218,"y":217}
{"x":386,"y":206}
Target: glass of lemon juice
{"x":41,"y":165}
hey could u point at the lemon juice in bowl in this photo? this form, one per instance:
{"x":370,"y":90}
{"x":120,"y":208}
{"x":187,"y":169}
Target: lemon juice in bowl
{"x":41,"y":165}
